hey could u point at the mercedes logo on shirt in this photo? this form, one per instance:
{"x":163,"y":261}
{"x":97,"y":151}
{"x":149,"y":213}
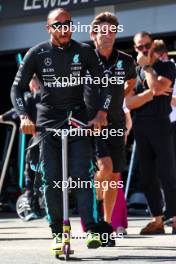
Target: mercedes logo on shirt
{"x":48,"y":61}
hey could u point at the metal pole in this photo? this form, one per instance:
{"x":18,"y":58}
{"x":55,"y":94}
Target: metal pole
{"x":65,"y":174}
{"x":6,"y":162}
{"x":130,"y":170}
{"x":21,"y":142}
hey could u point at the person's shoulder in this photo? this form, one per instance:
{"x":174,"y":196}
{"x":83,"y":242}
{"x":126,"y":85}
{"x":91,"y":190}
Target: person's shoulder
{"x":80,"y":45}
{"x":166,"y":63}
{"x":171,"y":64}
{"x":125,"y":55}
{"x":41,"y":47}
{"x":37,"y":49}
{"x":127,"y":59}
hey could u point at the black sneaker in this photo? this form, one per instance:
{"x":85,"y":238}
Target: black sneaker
{"x":106,"y":234}
{"x":100,"y":210}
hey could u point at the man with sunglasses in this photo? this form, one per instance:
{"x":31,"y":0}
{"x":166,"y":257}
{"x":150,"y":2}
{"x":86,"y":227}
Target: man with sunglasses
{"x":151,"y":101}
{"x":110,"y":152}
{"x":53,"y":62}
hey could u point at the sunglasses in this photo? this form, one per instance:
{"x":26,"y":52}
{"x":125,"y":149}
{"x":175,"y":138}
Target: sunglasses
{"x":58,"y":25}
{"x":146,"y":46}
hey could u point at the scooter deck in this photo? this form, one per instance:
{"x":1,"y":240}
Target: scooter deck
{"x":60,"y":252}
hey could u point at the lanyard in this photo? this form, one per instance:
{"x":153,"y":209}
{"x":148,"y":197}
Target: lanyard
{"x":107,"y":71}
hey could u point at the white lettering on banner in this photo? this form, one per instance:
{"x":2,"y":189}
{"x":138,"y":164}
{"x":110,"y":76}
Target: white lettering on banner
{"x":77,"y":2}
{"x":33,"y":5}
{"x":46,"y":3}
{"x":66,"y":2}
{"x":38,"y":4}
{"x":26,"y":6}
{"x":82,"y":1}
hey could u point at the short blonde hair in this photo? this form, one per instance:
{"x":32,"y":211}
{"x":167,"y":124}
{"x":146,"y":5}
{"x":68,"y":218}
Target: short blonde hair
{"x":160,"y":46}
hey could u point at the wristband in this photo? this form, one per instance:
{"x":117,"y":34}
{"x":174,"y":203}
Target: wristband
{"x":147,"y":66}
{"x":24,"y":116}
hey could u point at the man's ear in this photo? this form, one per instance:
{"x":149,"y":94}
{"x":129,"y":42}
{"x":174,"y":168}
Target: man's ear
{"x":48,"y":28}
{"x":92,"y":36}
{"x":135,"y":48}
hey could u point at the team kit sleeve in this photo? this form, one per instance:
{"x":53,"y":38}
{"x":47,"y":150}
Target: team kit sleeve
{"x":96,"y":70}
{"x":10,"y":115}
{"x":21,"y":82}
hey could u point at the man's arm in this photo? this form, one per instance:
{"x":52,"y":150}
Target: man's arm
{"x":21,"y":82}
{"x":130,"y":80}
{"x":20,"y":85}
{"x":134,"y":101}
{"x":160,"y":85}
{"x":129,"y":86}
{"x":104,"y":95}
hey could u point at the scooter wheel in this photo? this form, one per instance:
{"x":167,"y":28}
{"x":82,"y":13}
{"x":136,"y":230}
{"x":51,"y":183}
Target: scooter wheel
{"x":57,"y":256}
{"x":66,"y":252}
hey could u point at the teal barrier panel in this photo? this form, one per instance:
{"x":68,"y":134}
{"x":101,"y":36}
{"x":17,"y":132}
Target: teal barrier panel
{"x":22,"y":143}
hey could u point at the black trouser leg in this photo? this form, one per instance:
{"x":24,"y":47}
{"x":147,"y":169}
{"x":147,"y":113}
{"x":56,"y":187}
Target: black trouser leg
{"x":150,"y":184}
{"x":51,"y":167}
{"x":165,"y":163}
{"x":80,"y":156}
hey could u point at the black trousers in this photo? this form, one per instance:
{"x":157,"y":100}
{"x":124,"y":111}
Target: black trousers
{"x":32,"y":175}
{"x":80,"y":168}
{"x":174,"y":136}
{"x":154,"y":139}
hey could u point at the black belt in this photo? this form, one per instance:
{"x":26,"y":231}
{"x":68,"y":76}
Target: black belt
{"x":57,"y":108}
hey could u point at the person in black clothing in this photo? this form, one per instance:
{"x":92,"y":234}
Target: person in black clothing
{"x":31,"y":99}
{"x":110,"y":152}
{"x":153,"y":131}
{"x":32,"y":163}
{"x":54,"y":62}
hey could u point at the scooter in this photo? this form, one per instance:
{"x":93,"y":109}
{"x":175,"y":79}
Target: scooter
{"x":66,"y":250}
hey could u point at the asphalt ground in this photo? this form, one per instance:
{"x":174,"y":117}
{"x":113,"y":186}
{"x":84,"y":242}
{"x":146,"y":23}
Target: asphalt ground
{"x":28,"y":243}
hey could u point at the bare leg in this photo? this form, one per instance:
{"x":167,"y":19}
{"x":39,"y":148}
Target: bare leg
{"x":110,"y":196}
{"x":105,"y":169}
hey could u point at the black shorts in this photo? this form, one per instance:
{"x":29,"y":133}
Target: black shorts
{"x":114,"y":147}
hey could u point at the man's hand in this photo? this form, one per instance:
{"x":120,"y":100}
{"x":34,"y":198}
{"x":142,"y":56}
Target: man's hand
{"x":99,"y":121}
{"x":163,"y":91}
{"x":27,"y":126}
{"x":143,"y":60}
{"x":159,"y":85}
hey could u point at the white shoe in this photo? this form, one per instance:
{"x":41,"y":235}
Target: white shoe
{"x":121,"y":231}
{"x":56,"y":244}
